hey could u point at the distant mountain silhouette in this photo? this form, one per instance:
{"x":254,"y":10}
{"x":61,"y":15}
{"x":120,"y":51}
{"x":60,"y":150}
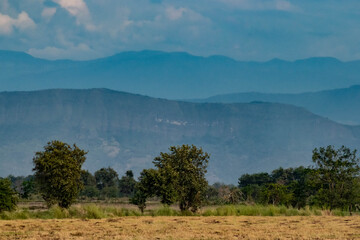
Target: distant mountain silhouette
{"x":176,"y":75}
{"x":340,"y":105}
{"x":126,"y":131}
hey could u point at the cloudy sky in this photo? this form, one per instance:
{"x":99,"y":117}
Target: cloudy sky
{"x":243,"y":29}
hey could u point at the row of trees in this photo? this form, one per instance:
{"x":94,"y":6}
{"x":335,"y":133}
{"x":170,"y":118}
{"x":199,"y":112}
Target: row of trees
{"x":333,"y":182}
{"x":105,"y":183}
{"x":178,"y":176}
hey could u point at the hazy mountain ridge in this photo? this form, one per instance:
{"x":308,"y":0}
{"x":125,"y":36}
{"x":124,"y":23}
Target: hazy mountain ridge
{"x":127,"y":131}
{"x":176,"y":75}
{"x":340,"y":105}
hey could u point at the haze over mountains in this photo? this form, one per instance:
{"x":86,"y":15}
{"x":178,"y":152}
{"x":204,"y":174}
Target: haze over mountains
{"x":127,"y":131}
{"x":341,"y":105}
{"x":176,"y":75}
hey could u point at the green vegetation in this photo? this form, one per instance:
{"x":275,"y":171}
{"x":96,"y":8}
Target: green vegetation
{"x":336,"y":177}
{"x":331,"y":186}
{"x":127,"y":184}
{"x":95,"y":211}
{"x":179,"y":177}
{"x":8,"y":196}
{"x":290,"y":187}
{"x":58,"y":173}
{"x":107,"y":182}
{"x":333,"y":182}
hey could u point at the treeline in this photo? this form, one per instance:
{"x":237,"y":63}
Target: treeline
{"x":103,"y":184}
{"x":333,"y":181}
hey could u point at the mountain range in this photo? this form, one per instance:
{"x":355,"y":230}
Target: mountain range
{"x":176,"y":75}
{"x":341,"y":105}
{"x":126,"y":131}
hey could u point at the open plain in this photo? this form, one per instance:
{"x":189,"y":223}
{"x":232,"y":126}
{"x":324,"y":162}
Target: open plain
{"x":243,"y":227}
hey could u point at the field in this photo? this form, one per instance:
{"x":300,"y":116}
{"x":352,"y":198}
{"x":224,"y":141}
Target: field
{"x":106,"y":220}
{"x":146,"y":227}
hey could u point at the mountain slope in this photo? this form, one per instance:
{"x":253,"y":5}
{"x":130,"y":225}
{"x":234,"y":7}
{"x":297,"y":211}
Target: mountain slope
{"x":175,"y":75}
{"x":340,"y":105}
{"x":127,"y":131}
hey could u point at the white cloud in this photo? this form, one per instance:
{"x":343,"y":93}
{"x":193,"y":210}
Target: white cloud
{"x":78,"y":9}
{"x":22,"y":22}
{"x":174,"y":14}
{"x":48,"y":13}
{"x":284,"y":5}
{"x":111,"y":148}
{"x":280,"y":5}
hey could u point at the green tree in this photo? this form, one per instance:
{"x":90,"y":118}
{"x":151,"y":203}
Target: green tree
{"x":90,"y":190}
{"x":182,"y":175}
{"x":8,"y":197}
{"x":252,"y":185}
{"x":58,"y":172}
{"x":212,"y":195}
{"x":277,"y":194}
{"x":179,"y":177}
{"x":28,"y":187}
{"x":301,"y":187}
{"x":336,"y":175}
{"x":106,"y":177}
{"x":127,"y":184}
{"x":254,"y":179}
{"x":107,"y":181}
{"x":146,"y":187}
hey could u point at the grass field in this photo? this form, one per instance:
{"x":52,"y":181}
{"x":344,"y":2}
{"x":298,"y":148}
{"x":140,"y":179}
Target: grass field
{"x":145,"y":227}
{"x":104,"y":220}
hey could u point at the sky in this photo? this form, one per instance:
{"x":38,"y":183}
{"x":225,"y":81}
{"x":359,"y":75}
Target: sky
{"x":248,"y":30}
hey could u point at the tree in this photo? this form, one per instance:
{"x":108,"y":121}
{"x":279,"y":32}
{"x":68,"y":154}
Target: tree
{"x":336,"y":174}
{"x":235,"y":196}
{"x":8,"y":198}
{"x":254,"y":179}
{"x":147,"y":186}
{"x":107,"y":181}
{"x":252,"y":185}
{"x":301,"y":187}
{"x":58,"y":172}
{"x":106,"y":177}
{"x":28,"y":187}
{"x":276,"y":193}
{"x":127,"y":184}
{"x":89,"y":182}
{"x":179,"y":177}
{"x":182,"y":176}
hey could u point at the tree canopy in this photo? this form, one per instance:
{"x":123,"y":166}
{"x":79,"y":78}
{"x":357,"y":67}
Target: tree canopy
{"x":58,"y":172}
{"x":8,"y":198}
{"x":179,"y":177}
{"x":336,"y":176}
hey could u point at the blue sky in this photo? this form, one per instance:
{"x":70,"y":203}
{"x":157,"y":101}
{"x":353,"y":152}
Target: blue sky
{"x":256,"y":30}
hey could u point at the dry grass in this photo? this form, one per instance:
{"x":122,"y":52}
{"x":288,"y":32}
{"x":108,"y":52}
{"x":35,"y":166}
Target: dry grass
{"x":296,"y":227}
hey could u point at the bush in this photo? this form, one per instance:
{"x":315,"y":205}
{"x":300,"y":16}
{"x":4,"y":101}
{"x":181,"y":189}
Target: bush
{"x":8,"y":198}
{"x":165,"y":211}
{"x":94,"y":212}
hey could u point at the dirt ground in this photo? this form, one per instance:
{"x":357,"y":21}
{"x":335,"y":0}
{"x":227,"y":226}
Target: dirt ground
{"x":315,"y":227}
